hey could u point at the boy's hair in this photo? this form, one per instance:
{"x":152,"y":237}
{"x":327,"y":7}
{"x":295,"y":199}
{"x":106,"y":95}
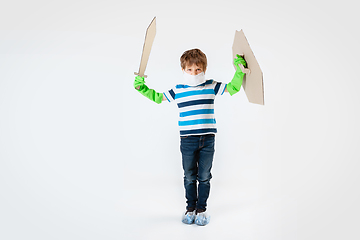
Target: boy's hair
{"x":193,"y":56}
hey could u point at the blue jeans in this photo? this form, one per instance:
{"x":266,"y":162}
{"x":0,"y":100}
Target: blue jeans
{"x":197,"y":157}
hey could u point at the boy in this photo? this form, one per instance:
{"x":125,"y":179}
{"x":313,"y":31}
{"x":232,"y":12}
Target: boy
{"x":195,"y":99}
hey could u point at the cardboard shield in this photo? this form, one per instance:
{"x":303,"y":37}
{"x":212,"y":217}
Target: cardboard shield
{"x":253,"y":79}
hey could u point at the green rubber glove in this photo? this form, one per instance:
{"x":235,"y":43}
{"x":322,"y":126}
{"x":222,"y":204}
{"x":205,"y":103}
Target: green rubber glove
{"x":151,"y":94}
{"x":235,"y":84}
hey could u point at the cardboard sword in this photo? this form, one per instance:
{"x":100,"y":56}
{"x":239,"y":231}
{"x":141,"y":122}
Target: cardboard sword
{"x":149,"y":39}
{"x":253,"y":79}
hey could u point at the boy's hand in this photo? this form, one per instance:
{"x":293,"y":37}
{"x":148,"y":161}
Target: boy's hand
{"x":239,"y":60}
{"x":235,"y":84}
{"x":151,"y":94}
{"x":139,"y":81}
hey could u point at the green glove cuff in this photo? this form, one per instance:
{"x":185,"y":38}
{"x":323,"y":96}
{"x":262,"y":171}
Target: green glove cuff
{"x":151,"y":94}
{"x":235,"y":85}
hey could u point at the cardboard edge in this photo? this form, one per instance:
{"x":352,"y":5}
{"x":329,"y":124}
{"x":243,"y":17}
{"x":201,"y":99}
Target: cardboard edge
{"x":144,"y":53}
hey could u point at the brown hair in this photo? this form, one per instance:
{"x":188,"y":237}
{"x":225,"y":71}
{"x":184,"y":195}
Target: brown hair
{"x":193,"y":56}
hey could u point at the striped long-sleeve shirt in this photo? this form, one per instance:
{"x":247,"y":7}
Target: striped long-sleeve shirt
{"x":196,"y":106}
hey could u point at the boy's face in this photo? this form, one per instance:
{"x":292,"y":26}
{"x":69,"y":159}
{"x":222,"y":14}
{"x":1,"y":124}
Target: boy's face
{"x":193,"y":70}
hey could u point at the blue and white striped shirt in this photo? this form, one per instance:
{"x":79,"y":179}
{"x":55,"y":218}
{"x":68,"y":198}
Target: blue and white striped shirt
{"x":196,"y":106}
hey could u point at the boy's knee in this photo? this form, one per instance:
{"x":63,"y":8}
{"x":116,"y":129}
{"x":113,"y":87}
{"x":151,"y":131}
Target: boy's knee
{"x":205,"y":177}
{"x":190,"y":178}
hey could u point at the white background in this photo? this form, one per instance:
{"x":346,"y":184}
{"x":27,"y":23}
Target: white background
{"x":84,"y":156}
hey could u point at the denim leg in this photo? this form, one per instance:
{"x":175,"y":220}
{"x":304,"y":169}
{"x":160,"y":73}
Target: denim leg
{"x":190,"y":156}
{"x":206,"y":155}
{"x":197,"y":157}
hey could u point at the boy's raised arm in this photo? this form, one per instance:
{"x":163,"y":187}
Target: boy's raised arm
{"x":139,"y":85}
{"x":235,"y":84}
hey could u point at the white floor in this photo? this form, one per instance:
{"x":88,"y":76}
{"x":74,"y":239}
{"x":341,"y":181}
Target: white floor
{"x":146,"y":209}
